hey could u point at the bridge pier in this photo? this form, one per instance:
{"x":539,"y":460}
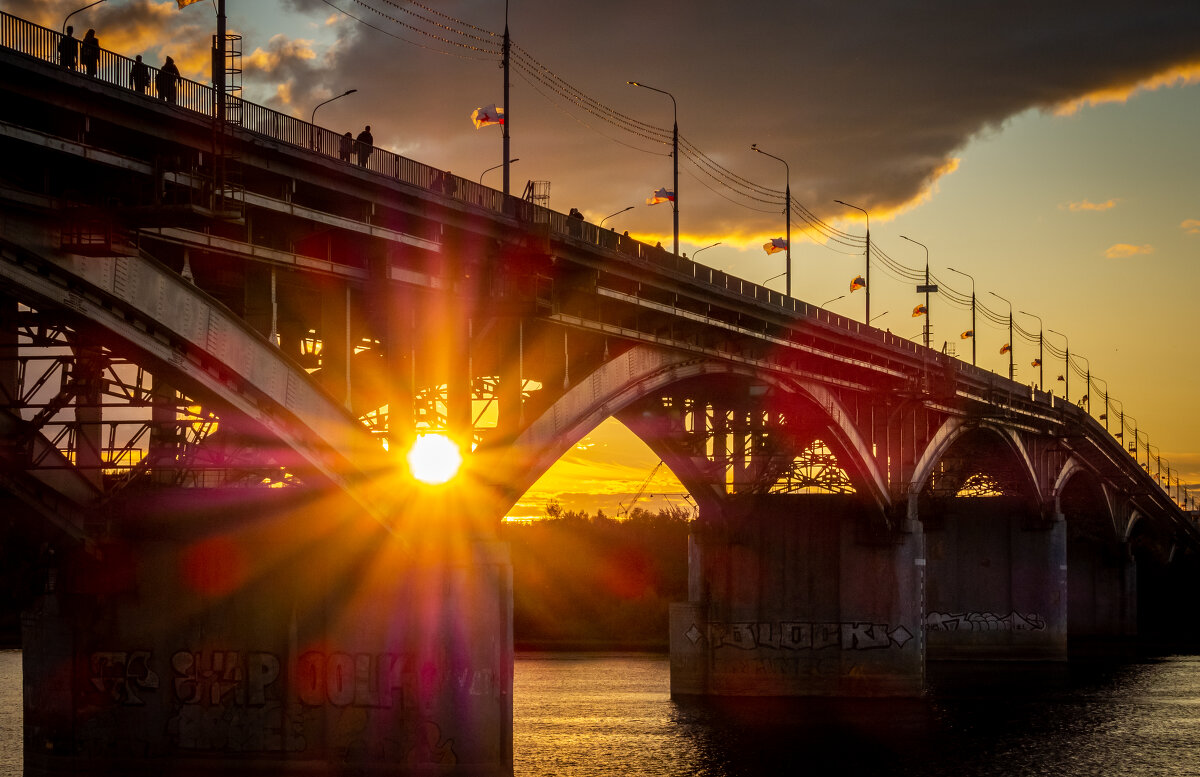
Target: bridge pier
{"x":996,"y":585}
{"x":285,"y":638}
{"x":794,"y":596}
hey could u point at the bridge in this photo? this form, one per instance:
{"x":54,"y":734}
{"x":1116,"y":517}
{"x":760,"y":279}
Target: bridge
{"x":220,"y":339}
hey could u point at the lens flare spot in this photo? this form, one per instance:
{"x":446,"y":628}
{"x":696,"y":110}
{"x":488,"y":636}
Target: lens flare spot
{"x":434,"y":459}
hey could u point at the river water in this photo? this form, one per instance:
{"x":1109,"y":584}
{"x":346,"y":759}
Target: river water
{"x":601,"y":714}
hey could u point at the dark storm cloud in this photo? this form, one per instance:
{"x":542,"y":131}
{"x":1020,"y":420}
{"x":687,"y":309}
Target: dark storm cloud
{"x":869,"y":102}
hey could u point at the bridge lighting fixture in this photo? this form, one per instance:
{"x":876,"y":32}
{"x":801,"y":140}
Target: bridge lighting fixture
{"x":312,"y":120}
{"x":698,"y":250}
{"x":1010,"y":333}
{"x":927,"y":287}
{"x":434,"y":459}
{"x":787,"y":212}
{"x":973,"y":338}
{"x":310,"y":345}
{"x":77,"y":10}
{"x":494,"y":167}
{"x":867,"y":278}
{"x":609,"y":216}
{"x":674,"y":158}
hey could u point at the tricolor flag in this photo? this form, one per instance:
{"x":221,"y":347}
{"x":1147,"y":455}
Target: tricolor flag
{"x":776,"y":245}
{"x":182,"y":3}
{"x":1104,"y":416}
{"x":1060,"y":377}
{"x":1035,"y":363}
{"x":967,"y":335}
{"x":1119,"y":434}
{"x":661,"y":195}
{"x":1005,"y":348}
{"x":919,"y":310}
{"x":488,"y":114}
{"x":858,"y":283}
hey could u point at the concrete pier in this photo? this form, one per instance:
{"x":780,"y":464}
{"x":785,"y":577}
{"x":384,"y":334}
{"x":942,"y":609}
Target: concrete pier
{"x":280,"y":638}
{"x":794,"y":596}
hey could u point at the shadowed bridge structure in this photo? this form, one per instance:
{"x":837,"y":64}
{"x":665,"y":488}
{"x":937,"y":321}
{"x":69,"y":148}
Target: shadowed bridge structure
{"x":220,"y":338}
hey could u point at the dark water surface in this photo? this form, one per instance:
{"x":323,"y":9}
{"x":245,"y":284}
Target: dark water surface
{"x":599,"y":715}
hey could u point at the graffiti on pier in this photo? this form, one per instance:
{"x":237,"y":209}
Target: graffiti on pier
{"x":853,"y":635}
{"x":984,"y":621}
{"x":123,"y":676}
{"x":213,"y":676}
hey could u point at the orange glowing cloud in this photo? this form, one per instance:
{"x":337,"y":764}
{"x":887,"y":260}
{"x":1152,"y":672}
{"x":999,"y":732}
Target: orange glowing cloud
{"x":1088,"y":205}
{"x":1125,"y":250}
{"x":1191,"y":226}
{"x":1181,"y":75}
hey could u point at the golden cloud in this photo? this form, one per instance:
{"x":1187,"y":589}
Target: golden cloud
{"x":1085,"y":205}
{"x":1181,"y":75}
{"x":1191,"y":226}
{"x":1125,"y":250}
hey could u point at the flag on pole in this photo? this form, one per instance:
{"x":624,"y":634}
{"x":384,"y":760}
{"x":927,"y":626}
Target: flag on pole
{"x":1005,"y":348}
{"x":967,"y":335}
{"x":775,"y":245}
{"x":919,"y":310}
{"x":661,"y":195}
{"x":488,"y":114}
{"x":182,"y":3}
{"x":857,"y":283}
{"x":1035,"y":363}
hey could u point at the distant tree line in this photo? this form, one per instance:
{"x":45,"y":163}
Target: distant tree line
{"x":596,"y":583}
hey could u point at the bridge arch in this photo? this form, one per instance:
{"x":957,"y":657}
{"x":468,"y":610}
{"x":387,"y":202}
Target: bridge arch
{"x":642,"y":372}
{"x":954,"y":431}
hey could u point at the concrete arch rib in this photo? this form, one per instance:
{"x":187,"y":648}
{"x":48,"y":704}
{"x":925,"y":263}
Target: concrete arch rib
{"x":949,"y":433}
{"x":643,"y":370}
{"x":200,"y":344}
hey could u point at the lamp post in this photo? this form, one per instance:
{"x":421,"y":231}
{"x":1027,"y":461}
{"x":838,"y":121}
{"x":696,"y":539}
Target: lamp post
{"x":773,"y":277}
{"x":867,"y":277}
{"x":787,"y":213}
{"x":829,"y":302}
{"x":1087,"y":382}
{"x":1104,"y":415}
{"x":1010,"y":340}
{"x":312,"y":120}
{"x":493,"y":167}
{"x":674,"y":157}
{"x":698,"y":250}
{"x":77,"y":10}
{"x":609,"y":216}
{"x":1066,"y":363}
{"x":926,"y":288}
{"x":1041,"y":353}
{"x":973,"y":338}
{"x":878,"y":315}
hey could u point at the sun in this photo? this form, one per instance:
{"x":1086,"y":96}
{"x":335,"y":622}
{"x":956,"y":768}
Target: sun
{"x":434,"y":459}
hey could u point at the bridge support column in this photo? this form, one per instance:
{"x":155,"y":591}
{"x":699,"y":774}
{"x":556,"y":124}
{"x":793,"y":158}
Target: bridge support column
{"x":790,"y":596}
{"x":997,"y":582}
{"x":1102,"y":582}
{"x":287,"y":639}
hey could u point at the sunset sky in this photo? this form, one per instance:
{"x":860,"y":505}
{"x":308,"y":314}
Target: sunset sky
{"x":1047,"y":149}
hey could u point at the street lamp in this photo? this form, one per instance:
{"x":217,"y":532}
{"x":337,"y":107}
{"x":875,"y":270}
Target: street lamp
{"x":787,"y":212}
{"x":697,"y":251}
{"x":973,"y":337}
{"x":609,"y":216}
{"x":494,"y":167}
{"x":77,"y":10}
{"x":1067,"y":364}
{"x":1010,"y":340}
{"x":1104,"y":415}
{"x":926,"y":288}
{"x":1087,"y":380}
{"x":829,"y":302}
{"x":312,"y":120}
{"x":1041,"y":353}
{"x":674,"y":157}
{"x":867,"y":277}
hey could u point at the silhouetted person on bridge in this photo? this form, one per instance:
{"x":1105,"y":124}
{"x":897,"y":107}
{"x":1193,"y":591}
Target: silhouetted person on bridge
{"x":68,"y":50}
{"x":139,"y":75}
{"x":366,"y":144}
{"x":345,"y":146}
{"x":168,"y":76}
{"x":89,"y":52}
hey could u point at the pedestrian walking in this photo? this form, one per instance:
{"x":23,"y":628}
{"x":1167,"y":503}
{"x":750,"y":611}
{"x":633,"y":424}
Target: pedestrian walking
{"x":139,"y":75}
{"x":366,"y":144}
{"x":345,"y":145}
{"x":89,"y":52}
{"x":168,"y":76}
{"x":68,"y":50}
